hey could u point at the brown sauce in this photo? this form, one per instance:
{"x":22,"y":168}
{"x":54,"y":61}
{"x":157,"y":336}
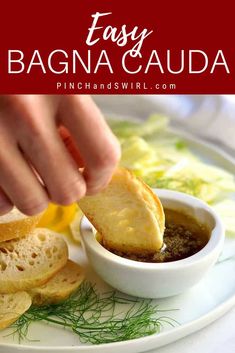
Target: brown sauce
{"x":183,"y":237}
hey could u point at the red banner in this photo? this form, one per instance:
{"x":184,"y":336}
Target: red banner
{"x":117,"y":47}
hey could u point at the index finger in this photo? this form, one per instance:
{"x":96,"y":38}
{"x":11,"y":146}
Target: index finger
{"x":97,"y":145}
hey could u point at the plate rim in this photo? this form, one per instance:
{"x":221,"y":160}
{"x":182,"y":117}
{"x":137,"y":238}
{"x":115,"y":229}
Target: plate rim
{"x":205,"y":144}
{"x":171,"y":336}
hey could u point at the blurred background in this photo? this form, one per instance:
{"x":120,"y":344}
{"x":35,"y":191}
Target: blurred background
{"x":211,"y":117}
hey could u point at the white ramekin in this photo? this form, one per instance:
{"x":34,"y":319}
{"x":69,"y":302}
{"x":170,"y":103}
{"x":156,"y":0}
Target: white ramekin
{"x":158,"y":280}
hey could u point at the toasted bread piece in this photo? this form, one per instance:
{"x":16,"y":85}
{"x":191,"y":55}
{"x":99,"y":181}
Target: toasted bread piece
{"x":31,"y":261}
{"x":75,"y":226}
{"x":12,"y":306}
{"x":127,"y":214}
{"x":60,"y":286}
{"x":15,"y":224}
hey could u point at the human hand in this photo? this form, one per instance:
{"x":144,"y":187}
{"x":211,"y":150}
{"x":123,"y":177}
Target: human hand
{"x":43,"y":142}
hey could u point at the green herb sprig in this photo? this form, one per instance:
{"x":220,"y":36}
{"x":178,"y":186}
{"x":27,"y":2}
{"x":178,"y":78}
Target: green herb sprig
{"x":95,"y":317}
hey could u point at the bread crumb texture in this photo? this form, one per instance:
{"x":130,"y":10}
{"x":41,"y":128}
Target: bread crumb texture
{"x":12,"y":306}
{"x":32,"y":260}
{"x":60,"y":286}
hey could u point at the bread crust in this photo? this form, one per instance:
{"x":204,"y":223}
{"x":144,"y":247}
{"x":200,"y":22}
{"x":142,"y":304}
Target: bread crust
{"x":60,"y":286}
{"x":16,"y":225}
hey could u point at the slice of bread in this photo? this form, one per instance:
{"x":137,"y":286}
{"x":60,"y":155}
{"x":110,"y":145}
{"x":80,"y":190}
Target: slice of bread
{"x":15,"y":224}
{"x":31,"y":261}
{"x":12,"y":306}
{"x":127,"y":214}
{"x":75,"y":227}
{"x":60,"y":286}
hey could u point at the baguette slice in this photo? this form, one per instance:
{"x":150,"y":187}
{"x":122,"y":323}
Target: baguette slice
{"x":127,"y":214}
{"x":59,"y":287}
{"x":15,"y":224}
{"x":12,"y":306}
{"x":31,"y":261}
{"x":75,"y":226}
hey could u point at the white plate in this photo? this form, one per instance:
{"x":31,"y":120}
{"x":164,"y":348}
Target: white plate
{"x":200,"y":306}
